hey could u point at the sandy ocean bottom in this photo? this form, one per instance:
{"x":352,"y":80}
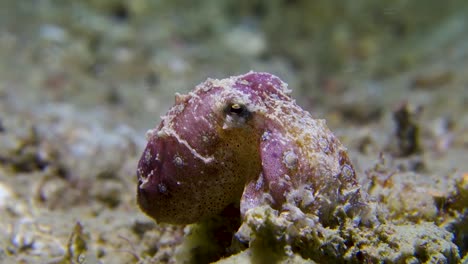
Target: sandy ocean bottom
{"x":80,"y":85}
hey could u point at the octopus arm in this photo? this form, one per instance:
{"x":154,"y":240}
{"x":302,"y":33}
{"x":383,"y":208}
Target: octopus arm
{"x":273,"y":181}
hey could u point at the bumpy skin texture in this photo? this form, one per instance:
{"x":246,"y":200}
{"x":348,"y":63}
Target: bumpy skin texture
{"x":242,"y":139}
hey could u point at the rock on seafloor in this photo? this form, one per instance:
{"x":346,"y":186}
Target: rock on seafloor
{"x":243,"y":142}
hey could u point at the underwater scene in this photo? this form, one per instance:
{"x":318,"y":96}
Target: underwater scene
{"x":280,"y":131}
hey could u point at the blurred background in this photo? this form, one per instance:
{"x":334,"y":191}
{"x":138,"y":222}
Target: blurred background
{"x":133,"y":55}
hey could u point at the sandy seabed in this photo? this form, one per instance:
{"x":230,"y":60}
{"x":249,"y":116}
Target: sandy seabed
{"x":77,"y":98}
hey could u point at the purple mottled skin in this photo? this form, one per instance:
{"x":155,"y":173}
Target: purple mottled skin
{"x":242,"y":139}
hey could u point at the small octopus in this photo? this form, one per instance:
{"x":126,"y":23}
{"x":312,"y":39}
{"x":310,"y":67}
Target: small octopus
{"x":242,"y":140}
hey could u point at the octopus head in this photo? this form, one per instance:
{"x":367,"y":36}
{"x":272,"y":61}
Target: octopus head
{"x":199,"y":159}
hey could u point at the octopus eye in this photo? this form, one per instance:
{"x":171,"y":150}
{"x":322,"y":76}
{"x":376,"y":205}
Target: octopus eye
{"x":236,"y":114}
{"x":237,"y":109}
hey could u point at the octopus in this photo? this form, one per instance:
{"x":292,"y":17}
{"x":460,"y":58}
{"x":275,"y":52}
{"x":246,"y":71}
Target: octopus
{"x":243,"y":140}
